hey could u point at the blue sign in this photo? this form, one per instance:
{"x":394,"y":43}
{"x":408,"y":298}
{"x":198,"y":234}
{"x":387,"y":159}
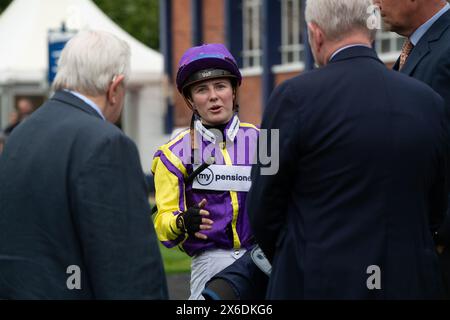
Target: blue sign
{"x":56,"y":43}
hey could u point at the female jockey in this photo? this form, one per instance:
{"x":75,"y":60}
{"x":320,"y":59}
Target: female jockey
{"x":203,"y":211}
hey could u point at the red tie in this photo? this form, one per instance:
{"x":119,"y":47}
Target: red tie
{"x":406,"y":50}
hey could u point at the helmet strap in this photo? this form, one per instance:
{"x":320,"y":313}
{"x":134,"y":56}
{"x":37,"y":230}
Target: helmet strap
{"x":236,"y":99}
{"x":193,"y":134}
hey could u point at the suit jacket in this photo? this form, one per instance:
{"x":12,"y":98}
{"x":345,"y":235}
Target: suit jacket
{"x":429,"y":62}
{"x":363,"y":160}
{"x":73,"y":206}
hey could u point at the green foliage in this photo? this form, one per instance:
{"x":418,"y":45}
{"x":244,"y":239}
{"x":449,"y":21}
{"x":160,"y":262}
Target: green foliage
{"x":175,"y":261}
{"x":4,"y":4}
{"x":138,"y":17}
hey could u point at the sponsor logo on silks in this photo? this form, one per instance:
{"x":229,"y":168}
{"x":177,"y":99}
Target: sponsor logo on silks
{"x":224,"y":178}
{"x":206,"y":74}
{"x":205,"y":177}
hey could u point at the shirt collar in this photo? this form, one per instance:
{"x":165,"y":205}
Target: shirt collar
{"x":88,"y":102}
{"x":418,"y":34}
{"x":346,"y":47}
{"x":231,"y":129}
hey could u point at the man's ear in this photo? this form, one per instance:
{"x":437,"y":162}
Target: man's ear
{"x":112,"y":91}
{"x":316,"y":35}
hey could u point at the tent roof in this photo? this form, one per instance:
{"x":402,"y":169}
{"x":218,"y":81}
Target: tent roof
{"x":24,"y":27}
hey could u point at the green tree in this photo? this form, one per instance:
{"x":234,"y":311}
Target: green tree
{"x":138,"y":17}
{"x":4,"y":4}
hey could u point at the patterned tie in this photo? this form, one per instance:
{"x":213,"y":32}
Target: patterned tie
{"x":406,"y":50}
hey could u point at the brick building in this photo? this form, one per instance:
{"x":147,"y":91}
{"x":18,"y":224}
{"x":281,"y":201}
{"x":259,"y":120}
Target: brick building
{"x":267,"y":37}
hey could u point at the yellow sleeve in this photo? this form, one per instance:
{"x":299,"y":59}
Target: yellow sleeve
{"x":168,"y":189}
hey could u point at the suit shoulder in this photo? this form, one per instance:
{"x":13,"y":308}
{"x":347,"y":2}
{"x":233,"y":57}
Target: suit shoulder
{"x":445,"y":38}
{"x":99,"y":128}
{"x":309,"y":81}
{"x":73,"y":122}
{"x":442,"y":54}
{"x":411,"y":85}
{"x":112,"y":133}
{"x":108,"y":144}
{"x":94,"y":131}
{"x":416,"y":91}
{"x":440,"y":49}
{"x":306,"y":77}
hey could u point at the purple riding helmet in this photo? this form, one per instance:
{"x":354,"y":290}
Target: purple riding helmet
{"x":204,"y":62}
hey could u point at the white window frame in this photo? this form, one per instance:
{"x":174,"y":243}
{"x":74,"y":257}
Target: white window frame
{"x":393,"y":52}
{"x":252,"y":20}
{"x":296,"y":48}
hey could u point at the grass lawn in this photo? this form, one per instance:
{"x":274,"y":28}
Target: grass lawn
{"x":175,"y":261}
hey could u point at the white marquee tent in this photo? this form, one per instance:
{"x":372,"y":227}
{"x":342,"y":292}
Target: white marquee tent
{"x":24,"y":27}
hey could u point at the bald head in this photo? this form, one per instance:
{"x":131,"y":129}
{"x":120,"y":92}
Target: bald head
{"x":405,"y":16}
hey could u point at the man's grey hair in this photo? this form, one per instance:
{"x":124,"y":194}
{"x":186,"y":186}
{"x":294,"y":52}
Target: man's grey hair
{"x":338,"y":18}
{"x":90,"y":61}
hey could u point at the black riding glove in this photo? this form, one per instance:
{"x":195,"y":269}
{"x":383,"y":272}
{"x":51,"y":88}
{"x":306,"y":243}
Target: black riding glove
{"x":190,"y":220}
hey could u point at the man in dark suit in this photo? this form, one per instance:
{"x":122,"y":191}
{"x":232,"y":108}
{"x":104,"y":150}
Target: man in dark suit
{"x":74,"y":218}
{"x":426,"y":57}
{"x":363,"y":167}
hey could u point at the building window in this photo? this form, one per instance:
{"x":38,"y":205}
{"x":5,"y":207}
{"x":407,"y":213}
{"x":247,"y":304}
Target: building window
{"x":252,"y":48}
{"x":388,"y":42}
{"x":293,"y":24}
